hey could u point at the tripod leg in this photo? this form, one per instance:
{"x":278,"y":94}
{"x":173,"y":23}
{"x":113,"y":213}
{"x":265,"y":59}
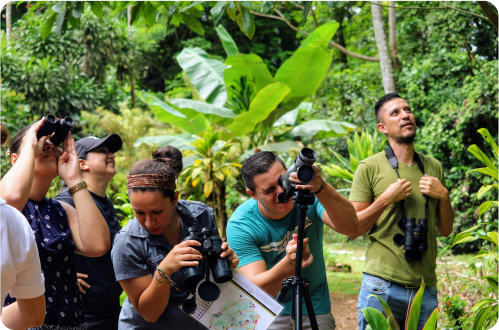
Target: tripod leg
{"x":298,"y":310}
{"x":310,"y":307}
{"x":284,"y":289}
{"x":292,"y":319}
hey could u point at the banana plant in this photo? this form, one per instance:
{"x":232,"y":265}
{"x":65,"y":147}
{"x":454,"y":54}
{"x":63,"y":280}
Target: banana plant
{"x":363,"y":146}
{"x":211,"y":169}
{"x":378,"y":321}
{"x":242,"y":96}
{"x":485,"y":310}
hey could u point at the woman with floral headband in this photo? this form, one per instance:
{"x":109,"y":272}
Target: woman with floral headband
{"x":60,"y":229}
{"x":148,"y":252}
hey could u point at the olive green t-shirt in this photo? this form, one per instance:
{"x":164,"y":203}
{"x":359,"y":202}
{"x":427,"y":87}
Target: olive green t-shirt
{"x":383,"y":258}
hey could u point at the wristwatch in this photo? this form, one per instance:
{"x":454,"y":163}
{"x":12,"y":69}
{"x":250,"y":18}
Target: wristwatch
{"x":322,"y":187}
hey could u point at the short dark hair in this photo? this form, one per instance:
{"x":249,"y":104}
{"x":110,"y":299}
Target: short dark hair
{"x":383,"y":100}
{"x":258,"y":163}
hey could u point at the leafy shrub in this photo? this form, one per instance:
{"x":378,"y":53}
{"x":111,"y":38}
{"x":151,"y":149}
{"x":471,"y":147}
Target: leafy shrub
{"x":485,"y":310}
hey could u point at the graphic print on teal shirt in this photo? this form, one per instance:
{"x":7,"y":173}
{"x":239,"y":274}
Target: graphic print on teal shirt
{"x":254,"y":238}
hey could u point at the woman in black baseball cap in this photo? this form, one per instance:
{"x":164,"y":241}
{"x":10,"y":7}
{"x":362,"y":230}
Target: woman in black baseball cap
{"x":60,"y":229}
{"x":100,"y":290}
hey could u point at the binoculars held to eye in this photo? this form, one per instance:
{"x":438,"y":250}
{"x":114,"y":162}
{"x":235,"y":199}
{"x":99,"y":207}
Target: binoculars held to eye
{"x":210,"y":249}
{"x":304,"y":171}
{"x":416,"y":237}
{"x":60,"y":127}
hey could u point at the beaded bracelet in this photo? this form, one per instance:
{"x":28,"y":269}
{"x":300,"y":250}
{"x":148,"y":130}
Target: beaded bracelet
{"x":162,"y":273}
{"x":77,"y":187}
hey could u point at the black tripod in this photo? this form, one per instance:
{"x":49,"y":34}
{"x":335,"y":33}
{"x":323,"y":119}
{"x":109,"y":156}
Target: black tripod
{"x":298,"y":284}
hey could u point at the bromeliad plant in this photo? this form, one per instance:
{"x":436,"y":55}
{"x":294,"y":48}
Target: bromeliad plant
{"x":485,"y":310}
{"x":378,"y":321}
{"x":363,"y":146}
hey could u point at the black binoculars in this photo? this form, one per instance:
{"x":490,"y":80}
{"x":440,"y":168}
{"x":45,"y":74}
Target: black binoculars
{"x":304,"y":171}
{"x":211,"y":248}
{"x":416,"y":237}
{"x":60,"y":127}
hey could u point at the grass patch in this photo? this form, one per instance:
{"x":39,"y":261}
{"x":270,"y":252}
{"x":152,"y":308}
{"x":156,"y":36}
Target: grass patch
{"x":345,"y":283}
{"x":350,"y":253}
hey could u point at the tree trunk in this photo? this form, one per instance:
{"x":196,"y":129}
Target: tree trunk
{"x":339,"y":16}
{"x":392,"y":23}
{"x":489,"y":12}
{"x":131,"y":77}
{"x":9,"y":21}
{"x":384,"y":55}
{"x":222,"y":210}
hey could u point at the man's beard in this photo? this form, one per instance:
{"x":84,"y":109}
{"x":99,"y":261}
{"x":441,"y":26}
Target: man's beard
{"x":408,"y":139}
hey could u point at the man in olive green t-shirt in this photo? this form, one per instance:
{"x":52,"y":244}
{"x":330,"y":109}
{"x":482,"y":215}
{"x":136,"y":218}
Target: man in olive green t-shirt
{"x":378,"y":195}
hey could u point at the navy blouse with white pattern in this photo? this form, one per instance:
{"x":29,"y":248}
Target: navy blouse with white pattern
{"x":57,"y":257}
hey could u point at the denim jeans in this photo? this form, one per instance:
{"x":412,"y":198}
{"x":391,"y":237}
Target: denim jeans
{"x":397,"y":296}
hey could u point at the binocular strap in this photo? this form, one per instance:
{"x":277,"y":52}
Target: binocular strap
{"x":392,"y":160}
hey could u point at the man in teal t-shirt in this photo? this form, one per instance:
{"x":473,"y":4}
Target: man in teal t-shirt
{"x":263,"y":233}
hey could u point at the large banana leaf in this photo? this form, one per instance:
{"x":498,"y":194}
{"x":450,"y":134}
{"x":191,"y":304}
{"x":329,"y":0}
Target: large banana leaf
{"x":202,"y":107}
{"x":308,"y":65}
{"x":279,"y":147}
{"x":168,"y":114}
{"x":304,"y":71}
{"x":207,"y":75}
{"x":180,"y":141}
{"x":262,"y":105}
{"x":250,"y":66}
{"x":290,"y":117}
{"x":322,"y":35}
{"x":228,"y":43}
{"x":322,"y":128}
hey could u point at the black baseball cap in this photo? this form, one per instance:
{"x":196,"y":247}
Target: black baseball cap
{"x":113,"y":142}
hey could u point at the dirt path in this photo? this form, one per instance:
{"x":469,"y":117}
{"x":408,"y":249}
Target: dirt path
{"x":344,"y":309}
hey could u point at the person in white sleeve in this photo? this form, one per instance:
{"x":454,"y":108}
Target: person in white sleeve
{"x":21,"y":273}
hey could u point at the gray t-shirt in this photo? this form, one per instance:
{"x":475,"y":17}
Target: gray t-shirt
{"x":136,"y":253}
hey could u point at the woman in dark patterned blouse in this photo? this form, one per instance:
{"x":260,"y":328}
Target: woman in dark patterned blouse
{"x":60,"y":230}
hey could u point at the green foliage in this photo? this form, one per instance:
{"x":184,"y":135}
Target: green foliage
{"x":377,"y":320}
{"x":363,"y":146}
{"x":15,"y":114}
{"x":65,"y":75}
{"x":125,"y":208}
{"x":454,"y":308}
{"x":485,"y":310}
{"x":205,"y":74}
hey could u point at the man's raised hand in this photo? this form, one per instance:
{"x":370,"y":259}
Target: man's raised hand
{"x":307,"y":258}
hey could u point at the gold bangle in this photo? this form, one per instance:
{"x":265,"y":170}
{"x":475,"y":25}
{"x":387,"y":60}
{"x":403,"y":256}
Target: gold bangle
{"x":77,"y":187}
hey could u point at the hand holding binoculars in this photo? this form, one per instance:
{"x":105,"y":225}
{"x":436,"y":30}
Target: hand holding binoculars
{"x":60,"y":127}
{"x":210,"y":249}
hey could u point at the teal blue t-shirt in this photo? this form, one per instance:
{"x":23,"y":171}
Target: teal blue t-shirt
{"x":254,"y":237}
